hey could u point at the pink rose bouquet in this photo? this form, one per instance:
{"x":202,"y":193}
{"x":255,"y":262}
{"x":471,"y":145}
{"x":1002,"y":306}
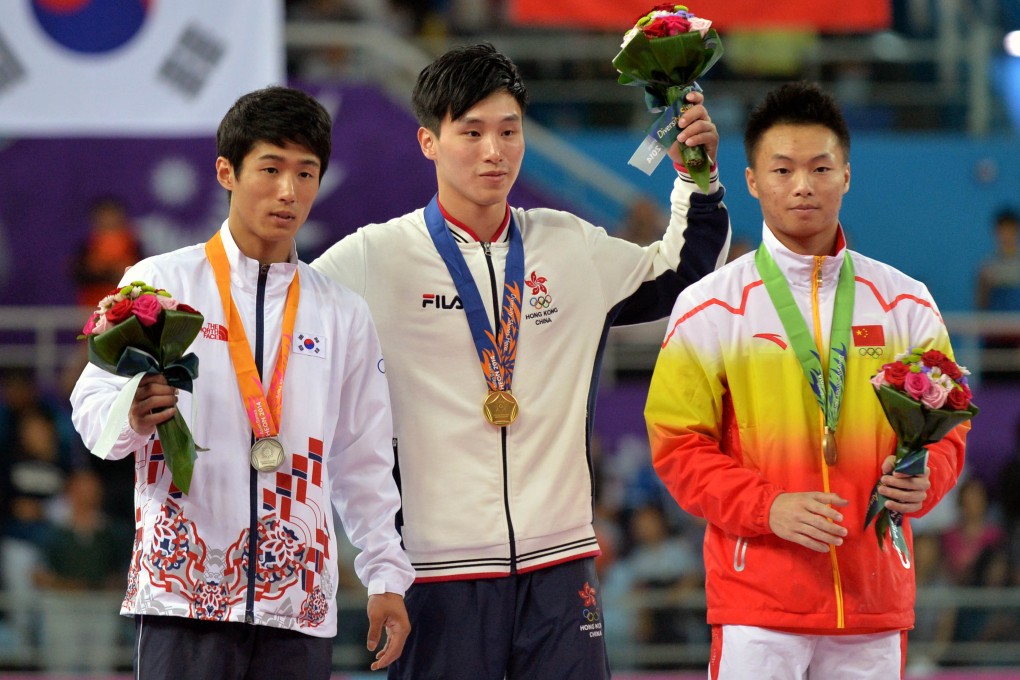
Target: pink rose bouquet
{"x":665,"y":51}
{"x":924,"y":395}
{"x":138,"y":330}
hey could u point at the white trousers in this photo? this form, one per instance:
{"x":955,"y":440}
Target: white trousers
{"x":742,"y":652}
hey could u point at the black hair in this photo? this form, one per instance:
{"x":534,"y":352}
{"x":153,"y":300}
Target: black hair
{"x":277,"y":115}
{"x":796,"y":103}
{"x":1005,"y":216}
{"x":461,"y":78}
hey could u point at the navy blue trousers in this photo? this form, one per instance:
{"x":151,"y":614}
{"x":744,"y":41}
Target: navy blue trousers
{"x":541,"y":625}
{"x":176,"y":648}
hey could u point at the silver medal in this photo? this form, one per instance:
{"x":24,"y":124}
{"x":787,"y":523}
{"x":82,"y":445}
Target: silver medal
{"x":267,"y":454}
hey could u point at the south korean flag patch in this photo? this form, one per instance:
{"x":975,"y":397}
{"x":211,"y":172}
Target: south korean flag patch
{"x":310,"y":344}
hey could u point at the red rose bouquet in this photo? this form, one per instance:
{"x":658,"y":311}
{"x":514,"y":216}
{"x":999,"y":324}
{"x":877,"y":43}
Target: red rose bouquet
{"x":665,"y":51}
{"x":924,"y":395}
{"x":139,"y":330}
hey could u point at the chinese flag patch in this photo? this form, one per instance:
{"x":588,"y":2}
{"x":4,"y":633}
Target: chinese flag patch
{"x":868,"y":336}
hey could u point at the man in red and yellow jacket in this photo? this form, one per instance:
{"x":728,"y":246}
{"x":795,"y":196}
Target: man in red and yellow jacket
{"x":743,"y":437}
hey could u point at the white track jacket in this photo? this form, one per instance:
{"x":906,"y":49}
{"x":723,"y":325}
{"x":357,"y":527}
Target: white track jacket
{"x":192,"y":553}
{"x":479,"y":500}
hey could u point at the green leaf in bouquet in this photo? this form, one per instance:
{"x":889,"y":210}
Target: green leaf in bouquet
{"x":916,"y":425}
{"x":686,"y":57}
{"x":106,"y":348}
{"x":636,"y":62}
{"x":178,"y":450}
{"x":179,"y":331}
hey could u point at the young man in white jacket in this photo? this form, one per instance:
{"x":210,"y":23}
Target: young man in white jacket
{"x":493,"y":320}
{"x":238,"y":577}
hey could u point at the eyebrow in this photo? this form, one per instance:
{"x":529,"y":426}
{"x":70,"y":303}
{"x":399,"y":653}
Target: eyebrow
{"x":465,"y":120}
{"x":278,"y":157}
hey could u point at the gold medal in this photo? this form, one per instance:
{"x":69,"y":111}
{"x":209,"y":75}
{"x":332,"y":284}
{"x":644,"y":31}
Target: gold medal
{"x":267,"y":454}
{"x":500,"y":408}
{"x":829,"y":446}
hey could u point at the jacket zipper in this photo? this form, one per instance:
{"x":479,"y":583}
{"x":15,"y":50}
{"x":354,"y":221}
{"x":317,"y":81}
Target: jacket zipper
{"x":816,"y":284}
{"x":506,"y":463}
{"x":253,"y":475}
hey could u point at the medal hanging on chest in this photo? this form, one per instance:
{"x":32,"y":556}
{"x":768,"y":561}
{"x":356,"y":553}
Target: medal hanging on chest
{"x":497,"y":352}
{"x":827,"y":387}
{"x":263,"y":410}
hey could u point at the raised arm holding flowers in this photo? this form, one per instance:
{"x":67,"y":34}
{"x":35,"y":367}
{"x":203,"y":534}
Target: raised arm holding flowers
{"x":665,"y":51}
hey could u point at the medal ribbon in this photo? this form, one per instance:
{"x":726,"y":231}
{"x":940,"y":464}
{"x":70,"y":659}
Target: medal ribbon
{"x":496,"y":352}
{"x":263,"y":412}
{"x":828,"y":393}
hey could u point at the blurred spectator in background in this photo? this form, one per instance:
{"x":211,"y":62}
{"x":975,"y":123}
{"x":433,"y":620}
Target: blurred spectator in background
{"x":35,"y":479}
{"x":998,"y":290}
{"x":982,"y":623}
{"x":998,"y":281}
{"x":661,"y":561}
{"x":974,"y":531}
{"x":644,"y":223}
{"x":110,"y":247}
{"x":85,"y":555}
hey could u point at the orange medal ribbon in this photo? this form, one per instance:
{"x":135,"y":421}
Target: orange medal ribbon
{"x":263,"y":412}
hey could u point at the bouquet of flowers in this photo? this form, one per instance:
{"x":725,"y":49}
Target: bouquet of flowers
{"x":665,"y":51}
{"x":924,"y":395}
{"x":138,"y":330}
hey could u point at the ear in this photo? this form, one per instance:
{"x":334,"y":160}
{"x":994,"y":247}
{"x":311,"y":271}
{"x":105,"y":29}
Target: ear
{"x":846,"y":179}
{"x":752,"y":185}
{"x":225,"y":173}
{"x":427,"y":141}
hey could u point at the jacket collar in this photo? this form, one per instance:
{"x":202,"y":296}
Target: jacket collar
{"x":244,"y":271}
{"x":800,"y":269}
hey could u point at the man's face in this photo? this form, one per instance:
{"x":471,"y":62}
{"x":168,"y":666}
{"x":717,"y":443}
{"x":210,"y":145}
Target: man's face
{"x":271,"y":197}
{"x":477,"y":156}
{"x":799,"y":176}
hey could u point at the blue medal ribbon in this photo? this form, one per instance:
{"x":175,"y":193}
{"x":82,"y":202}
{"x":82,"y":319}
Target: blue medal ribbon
{"x":497,"y":353}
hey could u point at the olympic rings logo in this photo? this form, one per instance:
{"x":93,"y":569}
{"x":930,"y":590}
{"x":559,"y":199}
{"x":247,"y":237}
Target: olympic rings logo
{"x":591,"y":615}
{"x":873,"y":352}
{"x":541,"y":301}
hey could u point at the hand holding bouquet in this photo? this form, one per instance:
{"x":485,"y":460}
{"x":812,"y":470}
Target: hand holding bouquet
{"x":139,"y":330}
{"x":665,"y":51}
{"x":924,"y":395}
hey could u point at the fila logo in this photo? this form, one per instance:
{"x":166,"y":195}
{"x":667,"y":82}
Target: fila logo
{"x":440,"y":301}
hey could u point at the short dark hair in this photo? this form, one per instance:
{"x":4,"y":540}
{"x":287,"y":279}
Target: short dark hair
{"x":1006,"y":216}
{"x":461,"y":78}
{"x":796,"y":103}
{"x":277,"y":115}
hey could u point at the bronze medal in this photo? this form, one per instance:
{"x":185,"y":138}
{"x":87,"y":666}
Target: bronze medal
{"x":829,"y":447}
{"x":500,"y":408}
{"x":267,"y":454}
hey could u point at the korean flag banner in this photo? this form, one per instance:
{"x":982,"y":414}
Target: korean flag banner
{"x":170,"y":68}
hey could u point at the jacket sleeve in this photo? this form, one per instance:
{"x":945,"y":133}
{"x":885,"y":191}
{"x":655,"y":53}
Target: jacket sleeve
{"x":945,"y":457}
{"x":695,"y":449}
{"x":345,"y":262}
{"x":361,"y":462}
{"x":640,"y":284}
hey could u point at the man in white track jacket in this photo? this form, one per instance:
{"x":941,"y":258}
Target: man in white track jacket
{"x":238,"y":577}
{"x":493,"y":320}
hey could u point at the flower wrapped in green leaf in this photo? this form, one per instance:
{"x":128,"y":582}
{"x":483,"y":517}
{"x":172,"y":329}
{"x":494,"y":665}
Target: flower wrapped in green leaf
{"x":139,"y":330}
{"x":924,"y":395}
{"x":665,"y":52}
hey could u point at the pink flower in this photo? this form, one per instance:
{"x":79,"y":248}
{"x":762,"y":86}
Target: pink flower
{"x":878,"y":379}
{"x":147,"y":309}
{"x":90,"y":326}
{"x":915,"y":384}
{"x":166,"y":302}
{"x":102,"y":324}
{"x":935,"y":395}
